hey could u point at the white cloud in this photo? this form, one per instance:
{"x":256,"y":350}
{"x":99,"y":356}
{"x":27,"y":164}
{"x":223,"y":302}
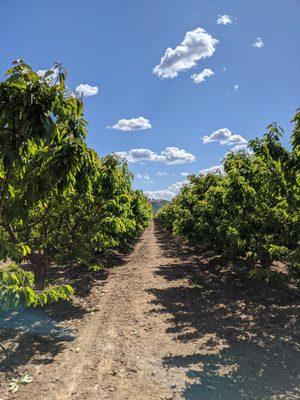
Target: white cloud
{"x":199,"y":78}
{"x":196,"y":45}
{"x":216,"y":169}
{"x":224,"y":20}
{"x":258,"y":43}
{"x":86,"y":90}
{"x":166,"y":194}
{"x":239,"y":148}
{"x":171,"y":155}
{"x":133,"y":124}
{"x":224,"y":136}
{"x":175,"y":187}
{"x":161,"y":173}
{"x":50,"y":79}
{"x":224,"y":69}
{"x":144,"y":177}
{"x":121,"y":154}
{"x":83,"y":89}
{"x":160,"y":194}
{"x":184,"y":174}
{"x":174,"y":155}
{"x":236,"y":87}
{"x":136,"y":155}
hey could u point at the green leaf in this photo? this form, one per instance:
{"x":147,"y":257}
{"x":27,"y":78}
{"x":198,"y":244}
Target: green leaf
{"x":25,"y":379}
{"x":11,"y":190}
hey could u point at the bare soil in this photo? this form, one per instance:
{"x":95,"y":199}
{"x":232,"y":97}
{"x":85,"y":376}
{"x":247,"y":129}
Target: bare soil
{"x":165,"y":323}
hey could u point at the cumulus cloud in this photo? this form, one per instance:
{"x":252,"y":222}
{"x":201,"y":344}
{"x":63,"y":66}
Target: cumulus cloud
{"x":161,"y":173}
{"x":258,"y":43}
{"x":121,"y":154}
{"x":133,"y":124}
{"x":86,"y":90}
{"x":199,"y":78}
{"x":196,"y":45}
{"x":52,"y":75}
{"x":174,"y":155}
{"x":239,"y":148}
{"x":170,"y":155}
{"x":164,"y":194}
{"x":184,"y":174}
{"x":215,"y":169}
{"x":144,"y":177}
{"x":224,"y":20}
{"x":236,"y":87}
{"x":136,"y":155}
{"x":175,"y":187}
{"x":224,"y":136}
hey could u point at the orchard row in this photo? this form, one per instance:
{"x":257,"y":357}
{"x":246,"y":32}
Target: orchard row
{"x":59,"y":201}
{"x":251,"y":210}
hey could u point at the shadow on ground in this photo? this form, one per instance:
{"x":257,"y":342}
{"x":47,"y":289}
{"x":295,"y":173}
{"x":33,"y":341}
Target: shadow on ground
{"x":244,"y":335}
{"x":37,"y":335}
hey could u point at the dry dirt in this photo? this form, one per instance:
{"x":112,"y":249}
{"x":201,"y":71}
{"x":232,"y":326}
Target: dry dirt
{"x":167,"y":323}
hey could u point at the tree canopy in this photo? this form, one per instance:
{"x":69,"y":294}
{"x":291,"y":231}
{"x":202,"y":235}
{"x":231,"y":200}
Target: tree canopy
{"x":59,"y":201}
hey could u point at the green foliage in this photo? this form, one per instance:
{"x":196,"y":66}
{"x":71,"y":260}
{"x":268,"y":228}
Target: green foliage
{"x":95,"y":267}
{"x":15,"y":383}
{"x":89,"y":223}
{"x":17,"y":290}
{"x":250,"y":211}
{"x":59,"y":202}
{"x":42,"y":153}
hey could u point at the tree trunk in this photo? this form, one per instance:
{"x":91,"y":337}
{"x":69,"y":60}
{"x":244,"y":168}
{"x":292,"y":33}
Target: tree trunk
{"x":266,"y":262}
{"x":39,"y":264}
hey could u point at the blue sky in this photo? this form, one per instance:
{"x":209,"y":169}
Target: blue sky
{"x":115,"y":45}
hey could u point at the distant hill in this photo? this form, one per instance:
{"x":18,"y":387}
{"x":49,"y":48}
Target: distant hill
{"x":157,"y":204}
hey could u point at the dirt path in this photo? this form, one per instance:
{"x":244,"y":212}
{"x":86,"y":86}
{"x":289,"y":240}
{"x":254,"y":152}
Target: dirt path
{"x":171,"y":325}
